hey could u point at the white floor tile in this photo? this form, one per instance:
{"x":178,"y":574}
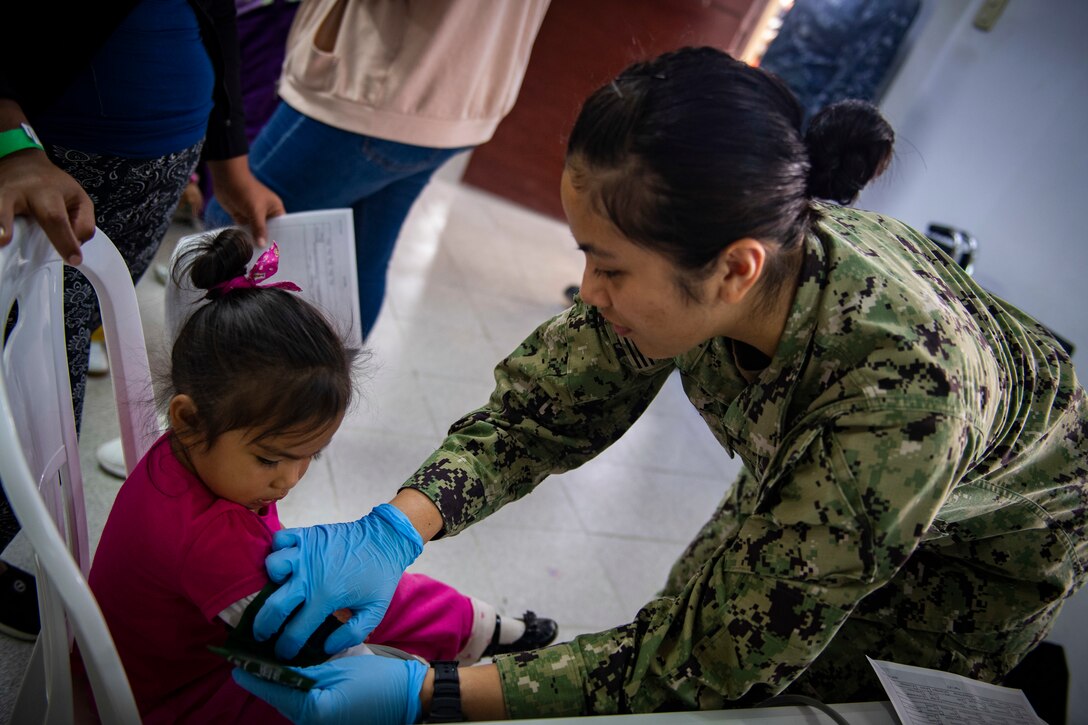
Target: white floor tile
{"x":637,"y":569}
{"x":435,"y":296}
{"x":557,"y":575}
{"x":389,"y":399}
{"x":369,"y":466}
{"x":546,"y":508}
{"x":460,"y":562}
{"x":507,"y":320}
{"x":633,"y":502}
{"x":447,"y":399}
{"x":455,"y":351}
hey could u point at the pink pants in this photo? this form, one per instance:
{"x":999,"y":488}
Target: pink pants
{"x":435,"y":621}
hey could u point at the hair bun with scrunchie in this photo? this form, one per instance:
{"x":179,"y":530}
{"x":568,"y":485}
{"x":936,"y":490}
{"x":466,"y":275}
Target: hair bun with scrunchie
{"x":849,"y":144}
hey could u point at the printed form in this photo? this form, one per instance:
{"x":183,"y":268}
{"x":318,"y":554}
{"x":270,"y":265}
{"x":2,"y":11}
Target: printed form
{"x":930,"y":697}
{"x":317,"y":252}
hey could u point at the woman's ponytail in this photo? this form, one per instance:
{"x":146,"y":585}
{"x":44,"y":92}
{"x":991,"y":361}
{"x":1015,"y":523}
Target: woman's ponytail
{"x":849,"y":144}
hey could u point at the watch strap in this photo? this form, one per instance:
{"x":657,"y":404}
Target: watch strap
{"x":446,"y":695}
{"x":17,"y":139}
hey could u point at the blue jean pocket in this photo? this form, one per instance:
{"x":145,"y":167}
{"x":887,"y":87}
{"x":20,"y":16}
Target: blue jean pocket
{"x":401,"y":158}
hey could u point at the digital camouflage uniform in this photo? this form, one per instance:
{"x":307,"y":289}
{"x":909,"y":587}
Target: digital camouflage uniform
{"x":915,"y":486}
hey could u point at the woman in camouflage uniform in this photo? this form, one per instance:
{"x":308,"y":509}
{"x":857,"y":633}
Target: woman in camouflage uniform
{"x":914,"y":486}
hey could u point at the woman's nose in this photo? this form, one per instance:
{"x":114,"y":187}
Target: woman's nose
{"x":592,"y":291}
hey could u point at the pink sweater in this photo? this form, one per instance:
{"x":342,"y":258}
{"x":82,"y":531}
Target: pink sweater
{"x":440,"y":73}
{"x":172,"y":556}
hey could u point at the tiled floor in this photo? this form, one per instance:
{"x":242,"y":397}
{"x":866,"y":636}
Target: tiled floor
{"x":472,"y":275}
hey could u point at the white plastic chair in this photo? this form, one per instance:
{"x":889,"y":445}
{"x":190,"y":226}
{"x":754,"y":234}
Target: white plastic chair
{"x":40,"y":470}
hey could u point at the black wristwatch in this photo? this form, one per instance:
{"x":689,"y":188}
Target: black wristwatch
{"x":446,"y":696}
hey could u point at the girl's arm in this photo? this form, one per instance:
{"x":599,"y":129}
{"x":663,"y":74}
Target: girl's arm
{"x":240,"y":615}
{"x":324,"y":568}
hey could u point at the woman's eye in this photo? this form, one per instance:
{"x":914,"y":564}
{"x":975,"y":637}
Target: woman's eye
{"x":608,"y":273}
{"x":265,"y":462}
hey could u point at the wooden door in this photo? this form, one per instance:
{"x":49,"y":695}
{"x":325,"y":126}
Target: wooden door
{"x":583,"y":44}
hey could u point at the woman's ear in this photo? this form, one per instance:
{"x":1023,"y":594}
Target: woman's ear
{"x":184,"y":419}
{"x":740,"y":265}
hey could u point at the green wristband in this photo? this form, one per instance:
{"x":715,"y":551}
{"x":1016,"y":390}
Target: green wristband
{"x":18,"y":139}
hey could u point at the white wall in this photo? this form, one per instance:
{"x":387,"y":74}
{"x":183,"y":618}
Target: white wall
{"x":992,"y":136}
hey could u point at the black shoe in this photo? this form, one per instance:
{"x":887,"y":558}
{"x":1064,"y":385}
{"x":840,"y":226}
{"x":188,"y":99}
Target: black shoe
{"x":539,"y":632}
{"x":19,"y":604}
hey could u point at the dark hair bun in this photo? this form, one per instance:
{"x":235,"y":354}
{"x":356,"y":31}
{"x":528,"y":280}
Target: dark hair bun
{"x":216,"y":258}
{"x":849,"y":144}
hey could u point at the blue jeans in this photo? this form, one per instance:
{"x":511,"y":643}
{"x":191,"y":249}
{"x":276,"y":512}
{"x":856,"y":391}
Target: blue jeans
{"x":315,"y":166}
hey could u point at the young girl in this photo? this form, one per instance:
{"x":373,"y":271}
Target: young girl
{"x":259,"y":384}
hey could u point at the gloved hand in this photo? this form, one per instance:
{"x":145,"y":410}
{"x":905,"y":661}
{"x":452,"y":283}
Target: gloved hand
{"x":349,"y":690}
{"x":336,"y":566}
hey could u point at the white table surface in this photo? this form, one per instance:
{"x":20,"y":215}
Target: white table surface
{"x":857,"y":713}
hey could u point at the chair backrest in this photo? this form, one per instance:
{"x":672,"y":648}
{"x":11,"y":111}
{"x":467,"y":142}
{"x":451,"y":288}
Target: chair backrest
{"x":39,"y":461}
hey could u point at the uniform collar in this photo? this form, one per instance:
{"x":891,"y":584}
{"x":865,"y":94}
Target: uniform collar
{"x":756,"y":419}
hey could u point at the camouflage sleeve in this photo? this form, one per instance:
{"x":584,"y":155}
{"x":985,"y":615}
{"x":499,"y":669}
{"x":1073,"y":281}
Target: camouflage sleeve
{"x":842,"y":507}
{"x":565,"y":394}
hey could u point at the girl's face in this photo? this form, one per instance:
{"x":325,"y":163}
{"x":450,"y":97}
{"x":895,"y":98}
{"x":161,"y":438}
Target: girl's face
{"x":636,"y":289}
{"x":255,"y":473}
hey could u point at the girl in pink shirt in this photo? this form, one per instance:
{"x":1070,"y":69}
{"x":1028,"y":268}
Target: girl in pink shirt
{"x":259,"y":384}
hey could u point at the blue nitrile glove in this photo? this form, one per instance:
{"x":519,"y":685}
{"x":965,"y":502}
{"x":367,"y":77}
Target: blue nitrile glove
{"x":349,"y":690}
{"x":336,"y":566}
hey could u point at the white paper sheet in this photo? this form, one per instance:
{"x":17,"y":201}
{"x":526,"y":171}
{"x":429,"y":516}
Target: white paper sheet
{"x":922,"y":696}
{"x":317,"y":252}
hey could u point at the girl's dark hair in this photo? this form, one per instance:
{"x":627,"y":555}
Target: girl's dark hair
{"x":258,"y":358}
{"x":693,"y":150}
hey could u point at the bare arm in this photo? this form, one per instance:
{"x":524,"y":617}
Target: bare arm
{"x":420,"y":510}
{"x":481,"y":693}
{"x":247,"y":200}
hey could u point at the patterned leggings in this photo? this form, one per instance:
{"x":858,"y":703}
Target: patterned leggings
{"x":134,"y":200}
